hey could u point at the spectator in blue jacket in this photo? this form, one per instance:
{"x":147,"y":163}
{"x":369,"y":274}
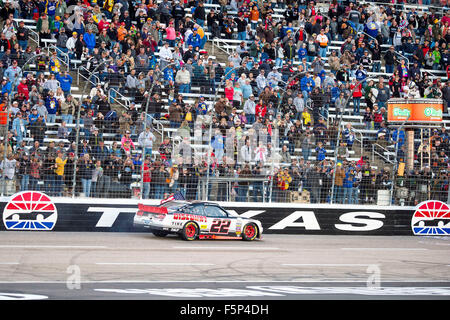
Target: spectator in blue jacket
{"x":301,"y":53}
{"x":398,"y":137}
{"x":89,"y":39}
{"x":6,"y":86}
{"x":194,"y":39}
{"x":52,"y":105}
{"x":306,"y":85}
{"x":65,"y":82}
{"x":321,"y":152}
{"x":349,"y":181}
{"x":34,"y":115}
{"x":349,"y":136}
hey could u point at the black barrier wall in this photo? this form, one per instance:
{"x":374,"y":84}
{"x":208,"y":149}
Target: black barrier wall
{"x":96,"y":216}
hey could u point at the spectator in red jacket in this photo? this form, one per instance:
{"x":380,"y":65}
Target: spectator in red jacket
{"x":357,"y":94}
{"x":22,"y":89}
{"x":260,"y":109}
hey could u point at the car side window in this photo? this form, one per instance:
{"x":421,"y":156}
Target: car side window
{"x":195,"y":209}
{"x":215,"y":212}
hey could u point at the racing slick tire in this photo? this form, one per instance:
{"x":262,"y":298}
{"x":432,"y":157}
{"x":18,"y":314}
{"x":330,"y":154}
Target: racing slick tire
{"x":250,"y":232}
{"x":159,"y":233}
{"x":190,"y":231}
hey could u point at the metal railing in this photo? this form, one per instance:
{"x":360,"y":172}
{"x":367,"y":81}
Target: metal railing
{"x":381,"y":152}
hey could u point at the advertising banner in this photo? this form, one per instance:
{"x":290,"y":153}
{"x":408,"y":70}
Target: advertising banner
{"x":34,"y":211}
{"x":418,"y":110}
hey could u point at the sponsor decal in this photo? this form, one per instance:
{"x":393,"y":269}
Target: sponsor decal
{"x":92,"y":216}
{"x":415,"y":110}
{"x":431,"y":218}
{"x":187,"y":216}
{"x":30,"y":210}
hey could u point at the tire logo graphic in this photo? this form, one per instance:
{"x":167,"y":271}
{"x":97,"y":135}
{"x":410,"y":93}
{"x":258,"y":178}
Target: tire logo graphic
{"x":30,"y":210}
{"x":431,"y":218}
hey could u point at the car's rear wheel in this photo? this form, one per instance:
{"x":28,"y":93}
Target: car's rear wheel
{"x":250,"y":232}
{"x":190,"y":231}
{"x":159,"y":233}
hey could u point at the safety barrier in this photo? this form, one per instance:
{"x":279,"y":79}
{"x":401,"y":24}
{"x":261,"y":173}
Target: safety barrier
{"x":35,"y":211}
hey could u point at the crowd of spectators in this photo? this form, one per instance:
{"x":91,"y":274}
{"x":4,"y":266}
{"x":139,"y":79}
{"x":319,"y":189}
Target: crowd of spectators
{"x":285,"y":76}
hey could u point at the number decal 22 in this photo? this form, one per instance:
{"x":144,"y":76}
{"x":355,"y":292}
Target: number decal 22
{"x":220,"y":226}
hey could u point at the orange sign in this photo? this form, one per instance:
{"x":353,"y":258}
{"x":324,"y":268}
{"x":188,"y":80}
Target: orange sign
{"x":418,"y":110}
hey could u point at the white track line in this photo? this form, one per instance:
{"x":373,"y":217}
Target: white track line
{"x":152,"y":264}
{"x":384,"y":249}
{"x":50,"y":247}
{"x":325,"y":265}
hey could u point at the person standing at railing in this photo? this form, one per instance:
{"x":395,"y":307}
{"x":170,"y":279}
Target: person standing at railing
{"x":60,"y":162}
{"x":44,"y":27}
{"x":22,"y":35}
{"x":19,"y":128}
{"x":85,"y":168}
{"x":70,"y":45}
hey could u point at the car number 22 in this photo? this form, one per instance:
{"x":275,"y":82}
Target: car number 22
{"x":220,"y":226}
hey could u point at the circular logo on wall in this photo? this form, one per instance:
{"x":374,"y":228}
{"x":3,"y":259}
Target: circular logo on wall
{"x":431,"y":218}
{"x":30,"y":210}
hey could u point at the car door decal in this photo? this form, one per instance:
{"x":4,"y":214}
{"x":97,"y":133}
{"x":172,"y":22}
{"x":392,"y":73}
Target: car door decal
{"x":220,"y":226}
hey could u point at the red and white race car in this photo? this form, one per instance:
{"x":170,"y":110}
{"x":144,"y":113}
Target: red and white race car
{"x":196,"y":220}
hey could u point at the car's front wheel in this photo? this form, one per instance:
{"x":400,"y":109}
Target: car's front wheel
{"x":250,"y":232}
{"x":190,"y":231}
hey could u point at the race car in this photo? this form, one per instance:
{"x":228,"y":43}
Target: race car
{"x":196,"y":220}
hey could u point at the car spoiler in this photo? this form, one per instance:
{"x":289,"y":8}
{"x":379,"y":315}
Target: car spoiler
{"x":152,"y":209}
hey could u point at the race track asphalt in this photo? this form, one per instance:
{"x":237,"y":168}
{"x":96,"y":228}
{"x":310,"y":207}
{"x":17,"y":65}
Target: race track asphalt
{"x":84,"y":266}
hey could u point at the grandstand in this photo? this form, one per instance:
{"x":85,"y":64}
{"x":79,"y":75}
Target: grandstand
{"x":330,"y":154}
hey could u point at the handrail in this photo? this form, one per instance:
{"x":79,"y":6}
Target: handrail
{"x":225,"y":50}
{"x":125,"y":105}
{"x":35,"y":34}
{"x":159,"y":126}
{"x":86,"y":78}
{"x":385,"y":157}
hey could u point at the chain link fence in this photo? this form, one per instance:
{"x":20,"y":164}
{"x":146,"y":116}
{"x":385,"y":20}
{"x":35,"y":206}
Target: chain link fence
{"x":214,"y":134}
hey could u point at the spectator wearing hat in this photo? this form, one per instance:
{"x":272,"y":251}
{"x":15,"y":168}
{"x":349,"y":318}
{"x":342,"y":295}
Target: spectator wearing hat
{"x":71,"y":45}
{"x":194,"y":40}
{"x":146,"y":139}
{"x":389,"y":59}
{"x":14,"y":74}
{"x":22,"y":35}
